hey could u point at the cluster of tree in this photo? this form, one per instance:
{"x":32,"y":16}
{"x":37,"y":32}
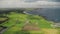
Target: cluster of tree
{"x":11,"y":10}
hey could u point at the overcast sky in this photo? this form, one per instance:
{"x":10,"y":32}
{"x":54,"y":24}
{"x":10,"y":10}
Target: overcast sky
{"x":27,"y":4}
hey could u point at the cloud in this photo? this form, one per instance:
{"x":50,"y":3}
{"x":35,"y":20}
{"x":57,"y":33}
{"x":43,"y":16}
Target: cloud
{"x":23,"y":4}
{"x":31,"y":0}
{"x":54,"y":0}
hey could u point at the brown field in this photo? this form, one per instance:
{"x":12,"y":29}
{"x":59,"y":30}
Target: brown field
{"x":50,"y":31}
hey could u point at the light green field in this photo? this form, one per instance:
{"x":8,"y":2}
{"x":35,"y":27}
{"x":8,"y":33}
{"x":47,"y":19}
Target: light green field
{"x":16,"y":22}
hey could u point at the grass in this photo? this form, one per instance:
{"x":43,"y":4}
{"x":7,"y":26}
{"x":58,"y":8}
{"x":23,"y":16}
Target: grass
{"x":2,"y":19}
{"x":16,"y":22}
{"x":42,"y":23}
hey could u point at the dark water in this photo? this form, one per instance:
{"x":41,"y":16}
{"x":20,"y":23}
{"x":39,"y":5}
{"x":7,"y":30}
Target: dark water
{"x":52,"y":14}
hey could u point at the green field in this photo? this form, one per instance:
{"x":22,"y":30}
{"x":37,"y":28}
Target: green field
{"x":17,"y":21}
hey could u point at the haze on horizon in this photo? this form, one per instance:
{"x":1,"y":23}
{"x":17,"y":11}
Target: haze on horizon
{"x":28,"y":3}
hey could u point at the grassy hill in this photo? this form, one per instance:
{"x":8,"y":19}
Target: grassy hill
{"x":17,"y":21}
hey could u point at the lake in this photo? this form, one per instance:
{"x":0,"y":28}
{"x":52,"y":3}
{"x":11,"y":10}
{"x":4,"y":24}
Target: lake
{"x":52,"y":14}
